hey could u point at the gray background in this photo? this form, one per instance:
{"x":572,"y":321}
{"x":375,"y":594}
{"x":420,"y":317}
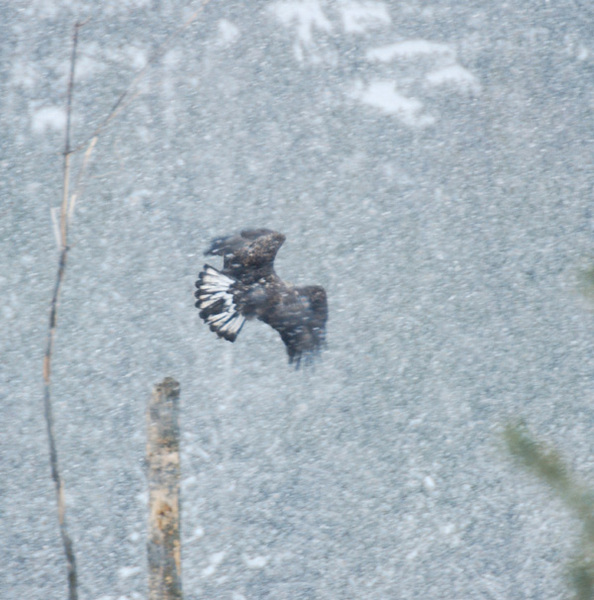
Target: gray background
{"x":449,"y":234}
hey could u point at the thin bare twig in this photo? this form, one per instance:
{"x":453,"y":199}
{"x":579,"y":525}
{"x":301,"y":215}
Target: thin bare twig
{"x":47,"y":359}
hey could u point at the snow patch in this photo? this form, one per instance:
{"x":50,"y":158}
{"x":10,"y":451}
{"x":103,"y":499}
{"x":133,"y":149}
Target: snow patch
{"x":382,"y":94}
{"x":8,"y":313}
{"x":126,"y":572}
{"x":582,"y":53}
{"x":137,"y":198}
{"x":454,"y":75}
{"x":228,"y":33}
{"x":359,"y":17}
{"x":88,"y":62}
{"x":45,"y":9}
{"x":304,"y":16}
{"x":24,"y":74}
{"x":138,"y":56}
{"x":189,"y":482}
{"x":411,"y":49}
{"x":429,"y":483}
{"x":48,"y":118}
{"x":134,"y":537}
{"x":447,"y":529}
{"x":412,"y":554}
{"x":172,"y":58}
{"x":214,"y":561}
{"x":258,"y":562}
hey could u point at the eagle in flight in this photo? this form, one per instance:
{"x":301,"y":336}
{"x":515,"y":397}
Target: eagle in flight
{"x":248,"y":287}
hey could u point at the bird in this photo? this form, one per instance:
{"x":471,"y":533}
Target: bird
{"x":248,"y":288}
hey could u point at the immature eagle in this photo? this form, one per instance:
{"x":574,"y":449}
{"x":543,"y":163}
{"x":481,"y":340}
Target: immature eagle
{"x":248,"y":287}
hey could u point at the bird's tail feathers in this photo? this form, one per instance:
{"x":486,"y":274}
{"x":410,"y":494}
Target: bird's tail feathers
{"x":216,"y":303}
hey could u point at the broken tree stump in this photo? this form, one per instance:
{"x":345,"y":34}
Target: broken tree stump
{"x":163,"y":546}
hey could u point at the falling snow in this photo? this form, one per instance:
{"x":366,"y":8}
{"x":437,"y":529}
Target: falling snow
{"x":431,"y":166}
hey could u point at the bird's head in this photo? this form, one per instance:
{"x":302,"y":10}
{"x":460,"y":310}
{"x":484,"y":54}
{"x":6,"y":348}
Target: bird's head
{"x":266,"y":245}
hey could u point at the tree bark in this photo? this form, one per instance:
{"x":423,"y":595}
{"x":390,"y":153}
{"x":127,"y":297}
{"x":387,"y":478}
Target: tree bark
{"x":164,"y":548}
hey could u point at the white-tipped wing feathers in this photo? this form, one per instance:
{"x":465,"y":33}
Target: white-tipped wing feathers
{"x":216,"y":303}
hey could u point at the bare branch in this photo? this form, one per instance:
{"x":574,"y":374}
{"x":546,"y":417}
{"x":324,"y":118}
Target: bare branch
{"x":53,"y":320}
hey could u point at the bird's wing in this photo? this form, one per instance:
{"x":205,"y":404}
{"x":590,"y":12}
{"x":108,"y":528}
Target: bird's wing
{"x":300,"y":318}
{"x":230,"y":244}
{"x":251,"y":248}
{"x":216,"y":299}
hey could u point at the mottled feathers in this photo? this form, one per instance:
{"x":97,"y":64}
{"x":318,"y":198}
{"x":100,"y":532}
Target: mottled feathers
{"x":248,"y":287}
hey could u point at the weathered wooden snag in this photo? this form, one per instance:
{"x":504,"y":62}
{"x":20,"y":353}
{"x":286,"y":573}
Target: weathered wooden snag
{"x":164,"y":549}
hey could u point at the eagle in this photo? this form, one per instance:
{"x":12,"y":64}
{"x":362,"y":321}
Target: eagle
{"x":248,"y":287}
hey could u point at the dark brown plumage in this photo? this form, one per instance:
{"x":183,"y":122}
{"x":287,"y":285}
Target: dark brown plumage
{"x":248,"y":287}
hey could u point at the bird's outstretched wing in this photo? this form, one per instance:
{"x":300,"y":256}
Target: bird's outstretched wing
{"x":251,"y":249}
{"x":300,"y":318}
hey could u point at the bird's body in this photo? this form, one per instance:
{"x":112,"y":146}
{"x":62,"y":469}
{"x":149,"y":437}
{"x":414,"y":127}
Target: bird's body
{"x":248,"y":287}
